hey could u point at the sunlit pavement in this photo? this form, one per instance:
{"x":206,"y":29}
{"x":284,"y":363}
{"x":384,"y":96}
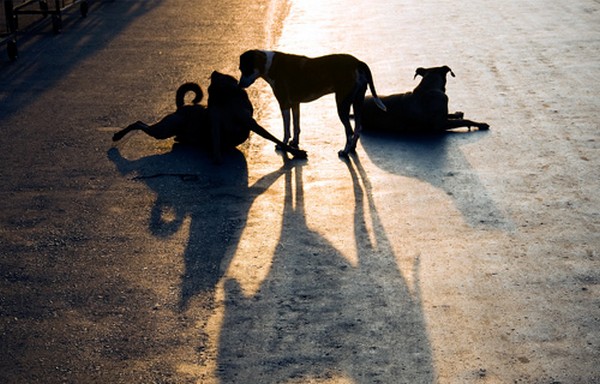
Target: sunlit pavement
{"x":471,"y":257}
{"x":481,"y":247}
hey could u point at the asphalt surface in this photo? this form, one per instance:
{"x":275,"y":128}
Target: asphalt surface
{"x":470,"y":257}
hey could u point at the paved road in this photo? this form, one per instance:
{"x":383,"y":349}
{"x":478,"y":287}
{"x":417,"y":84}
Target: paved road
{"x":473,"y":257}
{"x":93,"y":287}
{"x":496,"y":232}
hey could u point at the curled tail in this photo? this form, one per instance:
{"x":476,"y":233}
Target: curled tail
{"x":367,"y":73}
{"x":184,"y":89}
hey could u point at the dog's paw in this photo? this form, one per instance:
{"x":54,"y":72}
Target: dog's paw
{"x":343,"y":155}
{"x":118,"y":136}
{"x":483,"y":127}
{"x":299,"y":154}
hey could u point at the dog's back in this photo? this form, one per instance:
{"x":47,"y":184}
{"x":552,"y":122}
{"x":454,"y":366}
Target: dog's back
{"x":195,"y":124}
{"x":310,"y":78}
{"x":233,"y":106}
{"x":425,"y":109}
{"x":405,"y":112}
{"x":225,"y":91}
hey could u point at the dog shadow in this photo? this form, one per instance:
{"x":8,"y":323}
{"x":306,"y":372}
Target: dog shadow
{"x":214,"y":199}
{"x":438,"y":160}
{"x":316,"y":316}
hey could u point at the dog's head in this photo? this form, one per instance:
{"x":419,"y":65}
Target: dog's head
{"x":252,"y":66}
{"x":223,"y":87}
{"x":222,"y":80}
{"x":225,"y":90}
{"x":433,"y":78}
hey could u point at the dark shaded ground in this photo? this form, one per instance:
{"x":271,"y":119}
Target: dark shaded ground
{"x":89,"y":286}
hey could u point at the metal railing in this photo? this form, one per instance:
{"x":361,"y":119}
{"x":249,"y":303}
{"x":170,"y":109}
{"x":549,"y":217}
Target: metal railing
{"x":21,"y":16}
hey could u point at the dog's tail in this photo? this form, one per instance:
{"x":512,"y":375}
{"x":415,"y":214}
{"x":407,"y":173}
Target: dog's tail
{"x":364,"y":68}
{"x":184,"y":89}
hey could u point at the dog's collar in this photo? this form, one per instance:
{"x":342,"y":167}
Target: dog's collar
{"x":265,"y":73}
{"x":269,"y":55}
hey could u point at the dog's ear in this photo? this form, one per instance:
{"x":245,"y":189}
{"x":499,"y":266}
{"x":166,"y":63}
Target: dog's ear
{"x":420,"y":72}
{"x":447,"y":69}
{"x":253,"y":59}
{"x":260,"y":60}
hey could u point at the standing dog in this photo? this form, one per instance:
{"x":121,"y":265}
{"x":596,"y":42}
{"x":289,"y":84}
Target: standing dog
{"x":225,"y":123}
{"x":424,"y":110}
{"x":299,"y":79}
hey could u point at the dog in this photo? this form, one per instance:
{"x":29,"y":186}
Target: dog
{"x":424,"y":110}
{"x":298,"y":79}
{"x":225,"y":123}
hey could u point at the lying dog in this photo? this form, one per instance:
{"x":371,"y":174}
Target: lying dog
{"x":299,"y":79}
{"x":424,"y":110}
{"x":225,"y":123}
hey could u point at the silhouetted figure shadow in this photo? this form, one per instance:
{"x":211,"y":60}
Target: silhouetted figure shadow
{"x":214,"y":198}
{"x":316,"y":316}
{"x":438,"y":160}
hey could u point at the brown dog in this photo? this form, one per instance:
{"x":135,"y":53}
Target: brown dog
{"x":225,"y":123}
{"x":424,"y":110}
{"x":299,"y":79}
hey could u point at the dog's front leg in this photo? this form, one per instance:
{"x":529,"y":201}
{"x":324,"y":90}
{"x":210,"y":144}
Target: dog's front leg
{"x":456,"y":115}
{"x":285,"y":113}
{"x":215,"y":133}
{"x":296,"y":121}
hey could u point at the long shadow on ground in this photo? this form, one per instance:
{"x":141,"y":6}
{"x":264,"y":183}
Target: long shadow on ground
{"x":215,"y":199}
{"x":439,"y":161}
{"x":316,"y":316}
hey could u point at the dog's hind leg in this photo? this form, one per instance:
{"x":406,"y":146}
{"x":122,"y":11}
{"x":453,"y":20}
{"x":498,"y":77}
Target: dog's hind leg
{"x":457,"y":123}
{"x":357,"y":107}
{"x":343,"y":109}
{"x":356,"y":99}
{"x":138,"y":125}
{"x":169,"y":126}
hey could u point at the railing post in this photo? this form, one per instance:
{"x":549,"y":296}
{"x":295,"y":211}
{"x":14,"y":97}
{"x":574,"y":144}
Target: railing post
{"x":11,"y":18}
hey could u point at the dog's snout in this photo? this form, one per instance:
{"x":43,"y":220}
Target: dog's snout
{"x":247,"y":80}
{"x":244,"y":83}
